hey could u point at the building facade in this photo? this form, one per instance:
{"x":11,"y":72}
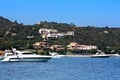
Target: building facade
{"x":57,"y":47}
{"x":76,"y":46}
{"x":47,"y":31}
{"x":39,"y":45}
{"x":53,"y":33}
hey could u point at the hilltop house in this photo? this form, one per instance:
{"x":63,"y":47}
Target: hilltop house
{"x":47,"y":31}
{"x":53,"y":33}
{"x":70,"y":33}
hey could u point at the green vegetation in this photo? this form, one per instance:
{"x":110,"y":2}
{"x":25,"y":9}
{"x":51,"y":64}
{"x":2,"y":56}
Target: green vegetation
{"x":14,"y":34}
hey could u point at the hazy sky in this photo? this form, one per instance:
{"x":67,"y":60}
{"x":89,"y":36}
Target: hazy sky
{"x":80,"y":12}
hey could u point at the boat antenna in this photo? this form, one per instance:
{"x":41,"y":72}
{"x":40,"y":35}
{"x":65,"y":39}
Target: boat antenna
{"x":14,"y":50}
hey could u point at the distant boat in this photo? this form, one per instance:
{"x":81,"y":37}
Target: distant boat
{"x":24,"y":56}
{"x":100,"y":55}
{"x":1,"y":57}
{"x":56,"y":55}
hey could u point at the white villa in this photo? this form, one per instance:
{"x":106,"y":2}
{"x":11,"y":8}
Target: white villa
{"x":70,"y":33}
{"x":52,"y":36}
{"x":47,"y":31}
{"x":53,"y":33}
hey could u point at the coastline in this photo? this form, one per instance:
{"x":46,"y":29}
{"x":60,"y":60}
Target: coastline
{"x":88,"y":56}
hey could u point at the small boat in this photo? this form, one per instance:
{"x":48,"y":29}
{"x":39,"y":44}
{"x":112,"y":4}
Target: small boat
{"x":24,"y":56}
{"x":1,"y":57}
{"x":56,"y":55}
{"x":100,"y":55}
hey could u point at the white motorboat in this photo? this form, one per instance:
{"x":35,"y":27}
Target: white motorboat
{"x":24,"y":56}
{"x":56,"y":55}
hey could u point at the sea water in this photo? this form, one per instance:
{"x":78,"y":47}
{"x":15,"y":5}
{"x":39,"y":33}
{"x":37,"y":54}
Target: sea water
{"x":63,"y":69}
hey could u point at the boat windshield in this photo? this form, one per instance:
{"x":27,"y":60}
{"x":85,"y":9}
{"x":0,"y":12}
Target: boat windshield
{"x":28,"y":53}
{"x":9,"y":54}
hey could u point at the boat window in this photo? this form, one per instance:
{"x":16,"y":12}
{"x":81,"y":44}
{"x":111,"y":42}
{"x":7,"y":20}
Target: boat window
{"x":27,"y":53}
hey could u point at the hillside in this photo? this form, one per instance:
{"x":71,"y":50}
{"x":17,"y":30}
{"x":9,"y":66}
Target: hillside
{"x":5,"y":23}
{"x":13,"y":34}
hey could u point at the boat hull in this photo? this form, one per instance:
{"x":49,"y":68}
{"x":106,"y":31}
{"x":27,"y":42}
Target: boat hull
{"x":27,"y":59}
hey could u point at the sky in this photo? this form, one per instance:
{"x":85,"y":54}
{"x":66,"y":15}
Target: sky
{"x":99,"y":13}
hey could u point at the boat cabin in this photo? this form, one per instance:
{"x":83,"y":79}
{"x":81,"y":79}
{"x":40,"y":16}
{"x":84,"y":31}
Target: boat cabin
{"x":25,"y":53}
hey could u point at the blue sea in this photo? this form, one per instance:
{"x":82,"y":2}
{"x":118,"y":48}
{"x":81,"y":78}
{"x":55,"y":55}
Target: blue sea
{"x":63,"y":69}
